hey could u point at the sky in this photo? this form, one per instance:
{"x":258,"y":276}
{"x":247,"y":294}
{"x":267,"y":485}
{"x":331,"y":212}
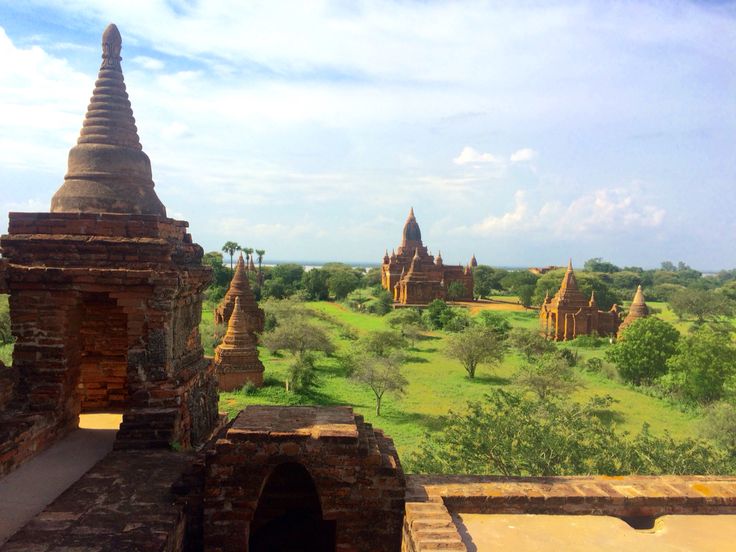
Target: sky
{"x":524,"y":132}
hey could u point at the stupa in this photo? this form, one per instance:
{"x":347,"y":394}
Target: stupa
{"x":236,"y":358}
{"x":240,"y":289}
{"x":638,"y":309}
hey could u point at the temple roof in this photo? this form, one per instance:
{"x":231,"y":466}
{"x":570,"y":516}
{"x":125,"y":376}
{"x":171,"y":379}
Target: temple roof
{"x":412,"y":235}
{"x":108,"y":172}
{"x":569,"y":291}
{"x":638,"y":309}
{"x":473,"y":261}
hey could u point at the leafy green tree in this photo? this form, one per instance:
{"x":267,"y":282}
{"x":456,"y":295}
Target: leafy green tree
{"x":436,"y":313}
{"x":643,"y":349}
{"x":302,"y":374}
{"x":495,"y":322}
{"x":260,"y":253}
{"x":530,"y":343}
{"x":596,"y":264}
{"x":372,"y":277}
{"x":484,"y":281}
{"x":342,"y":282}
{"x":511,"y":435}
{"x":403,"y":316}
{"x":702,"y":366}
{"x":290,"y":274}
{"x":248,"y":252}
{"x":522,"y":283}
{"x":314,"y":283}
{"x":275,"y":288}
{"x":230,"y":247}
{"x":382,"y":374}
{"x":548,"y":375}
{"x":474,"y":346}
{"x":720,"y":425}
{"x":700,"y":304}
{"x":455,"y":291}
{"x":382,"y":342}
{"x":298,"y":335}
{"x":6,"y":335}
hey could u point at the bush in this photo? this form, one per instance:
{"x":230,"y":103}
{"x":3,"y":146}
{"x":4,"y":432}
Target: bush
{"x":594,"y":365}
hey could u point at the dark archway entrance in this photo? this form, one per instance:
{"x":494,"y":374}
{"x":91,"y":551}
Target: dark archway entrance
{"x":289,"y":517}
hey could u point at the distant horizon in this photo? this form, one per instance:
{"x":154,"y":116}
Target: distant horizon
{"x":524,"y":132}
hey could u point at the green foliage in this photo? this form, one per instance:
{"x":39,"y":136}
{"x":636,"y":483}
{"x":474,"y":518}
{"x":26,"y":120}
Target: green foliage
{"x":6,"y":337}
{"x":642,"y":351}
{"x":530,"y":343}
{"x":302,"y":375}
{"x":290,"y":274}
{"x":372,"y":277}
{"x":513,"y":436}
{"x":373,"y":300}
{"x":720,"y":425}
{"x":549,"y":375}
{"x":457,"y":321}
{"x":486,"y":280}
{"x":495,"y":322}
{"x":440,"y":316}
{"x":230,"y":247}
{"x":455,"y":291}
{"x":597,"y":264}
{"x":314,"y":283}
{"x":297,"y":335}
{"x":703,"y":364}
{"x":382,"y":374}
{"x":521,"y":283}
{"x":405,"y":316}
{"x":342,"y":281}
{"x":383,"y":342}
{"x":476,"y":345}
{"x":699,"y":304}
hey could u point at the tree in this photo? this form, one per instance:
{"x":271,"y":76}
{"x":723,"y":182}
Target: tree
{"x":298,"y":336}
{"x":700,"y":304}
{"x":704,"y":362}
{"x":230,"y":248}
{"x":549,"y":375}
{"x":596,"y":264}
{"x":483,"y":281}
{"x":260,"y":253}
{"x":403,"y":316}
{"x":248,"y":252}
{"x":494,"y":322}
{"x":530,"y":343}
{"x":381,"y":343}
{"x":436,"y":313}
{"x":302,"y":375}
{"x":314,"y":283}
{"x":522,"y":283}
{"x":342,"y":282}
{"x":382,"y":374}
{"x":6,"y":335}
{"x":642,"y":350}
{"x":455,"y":291}
{"x":720,"y":425}
{"x":476,"y":345}
{"x":512,"y":435}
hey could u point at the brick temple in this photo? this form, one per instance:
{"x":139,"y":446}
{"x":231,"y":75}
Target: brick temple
{"x":570,"y":314}
{"x":105,"y":302}
{"x":415,"y":277}
{"x":638,"y":309}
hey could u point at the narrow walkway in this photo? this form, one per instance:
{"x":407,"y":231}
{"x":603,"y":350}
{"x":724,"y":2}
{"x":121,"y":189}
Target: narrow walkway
{"x":28,"y":490}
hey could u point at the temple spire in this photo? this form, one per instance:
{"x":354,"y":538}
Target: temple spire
{"x":108,"y":172}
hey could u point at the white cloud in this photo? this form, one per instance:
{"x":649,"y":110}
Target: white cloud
{"x":600,"y":214}
{"x":149,"y":63}
{"x":524,"y":154}
{"x":470,"y":155}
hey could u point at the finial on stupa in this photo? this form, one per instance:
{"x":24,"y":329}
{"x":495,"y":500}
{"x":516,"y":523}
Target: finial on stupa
{"x":411,"y":212}
{"x":108,"y":172}
{"x":569,"y":264}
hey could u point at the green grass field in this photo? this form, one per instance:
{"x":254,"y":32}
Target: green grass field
{"x":6,"y":351}
{"x":438,"y":385}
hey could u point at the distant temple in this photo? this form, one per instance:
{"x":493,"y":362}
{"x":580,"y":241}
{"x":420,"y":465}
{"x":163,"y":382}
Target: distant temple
{"x":236,"y":358}
{"x":240,"y":287}
{"x":638,"y":309}
{"x":569,"y":314}
{"x":415,"y":277}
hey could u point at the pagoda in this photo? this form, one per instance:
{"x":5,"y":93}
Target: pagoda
{"x":415,"y":277}
{"x":570,"y":314}
{"x":637,"y":310}
{"x":240,"y":289}
{"x":236,"y":358}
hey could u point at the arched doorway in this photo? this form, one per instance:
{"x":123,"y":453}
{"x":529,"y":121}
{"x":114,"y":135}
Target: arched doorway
{"x":103,"y":354}
{"x":288,"y":517}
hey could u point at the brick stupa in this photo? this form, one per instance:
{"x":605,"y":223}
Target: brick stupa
{"x":105,"y":297}
{"x":638,"y":309}
{"x":236,"y":358}
{"x":240,"y":289}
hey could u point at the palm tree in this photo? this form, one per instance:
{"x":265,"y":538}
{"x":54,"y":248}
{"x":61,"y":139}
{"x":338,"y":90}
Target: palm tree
{"x":248,"y":252}
{"x":230,"y":248}
{"x":260,"y":253}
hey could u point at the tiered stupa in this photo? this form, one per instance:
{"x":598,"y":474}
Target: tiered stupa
{"x":108,"y":172}
{"x":638,"y":309}
{"x":570,"y":314}
{"x":414,"y":276}
{"x":236,"y":358}
{"x":240,"y":288}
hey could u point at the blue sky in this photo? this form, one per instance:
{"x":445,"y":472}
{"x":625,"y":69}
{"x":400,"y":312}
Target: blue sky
{"x":526,"y":132}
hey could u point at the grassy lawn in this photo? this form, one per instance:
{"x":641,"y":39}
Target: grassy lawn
{"x":438,"y":384}
{"x":6,"y":351}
